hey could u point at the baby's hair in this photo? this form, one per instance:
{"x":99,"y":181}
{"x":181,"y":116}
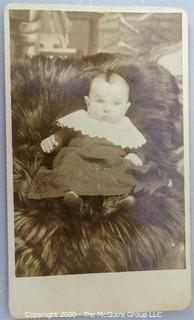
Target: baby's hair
{"x":108,"y":75}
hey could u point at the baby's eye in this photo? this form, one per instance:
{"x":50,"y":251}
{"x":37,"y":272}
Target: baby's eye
{"x":117,"y":103}
{"x":99,"y":100}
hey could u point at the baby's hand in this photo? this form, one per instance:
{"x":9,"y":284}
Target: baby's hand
{"x":134,"y":159}
{"x":49,"y":144}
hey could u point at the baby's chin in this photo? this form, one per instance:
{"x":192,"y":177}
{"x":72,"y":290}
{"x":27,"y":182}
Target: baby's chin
{"x":106,"y":119}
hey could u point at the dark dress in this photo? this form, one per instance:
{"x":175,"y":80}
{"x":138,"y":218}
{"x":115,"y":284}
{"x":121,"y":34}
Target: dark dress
{"x":87,"y":166}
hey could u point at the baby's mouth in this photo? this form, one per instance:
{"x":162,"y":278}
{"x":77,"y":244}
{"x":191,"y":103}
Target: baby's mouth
{"x":105,"y":118}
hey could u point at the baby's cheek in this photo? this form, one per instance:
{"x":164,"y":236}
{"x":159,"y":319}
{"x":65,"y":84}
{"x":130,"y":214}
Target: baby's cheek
{"x":119,"y":114}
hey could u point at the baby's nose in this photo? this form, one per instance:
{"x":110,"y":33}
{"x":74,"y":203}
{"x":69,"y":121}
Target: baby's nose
{"x":106,"y":108}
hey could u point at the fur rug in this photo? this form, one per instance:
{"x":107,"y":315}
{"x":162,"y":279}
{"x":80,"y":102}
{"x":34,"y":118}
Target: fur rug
{"x":49,"y":240}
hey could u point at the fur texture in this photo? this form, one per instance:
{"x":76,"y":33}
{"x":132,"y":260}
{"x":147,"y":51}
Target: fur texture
{"x":51,"y":240}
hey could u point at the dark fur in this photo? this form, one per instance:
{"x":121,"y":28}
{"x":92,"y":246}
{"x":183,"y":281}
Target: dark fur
{"x":50,"y":240}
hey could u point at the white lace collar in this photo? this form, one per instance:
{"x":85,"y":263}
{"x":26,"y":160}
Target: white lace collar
{"x":124,"y":133}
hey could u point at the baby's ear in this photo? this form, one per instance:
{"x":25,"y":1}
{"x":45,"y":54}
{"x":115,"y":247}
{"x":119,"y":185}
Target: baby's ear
{"x":128,"y":106}
{"x":86,"y":99}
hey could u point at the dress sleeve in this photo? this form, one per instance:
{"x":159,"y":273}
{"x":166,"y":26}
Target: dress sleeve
{"x":63,"y":136}
{"x":139,"y":152}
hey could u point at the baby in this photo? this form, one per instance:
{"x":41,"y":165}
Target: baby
{"x":94,"y":157}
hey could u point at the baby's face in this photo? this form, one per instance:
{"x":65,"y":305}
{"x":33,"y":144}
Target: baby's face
{"x":108,"y":101}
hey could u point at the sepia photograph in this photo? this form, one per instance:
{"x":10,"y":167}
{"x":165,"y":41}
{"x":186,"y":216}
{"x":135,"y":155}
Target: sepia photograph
{"x":97,"y":188}
{"x":97,"y":143}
